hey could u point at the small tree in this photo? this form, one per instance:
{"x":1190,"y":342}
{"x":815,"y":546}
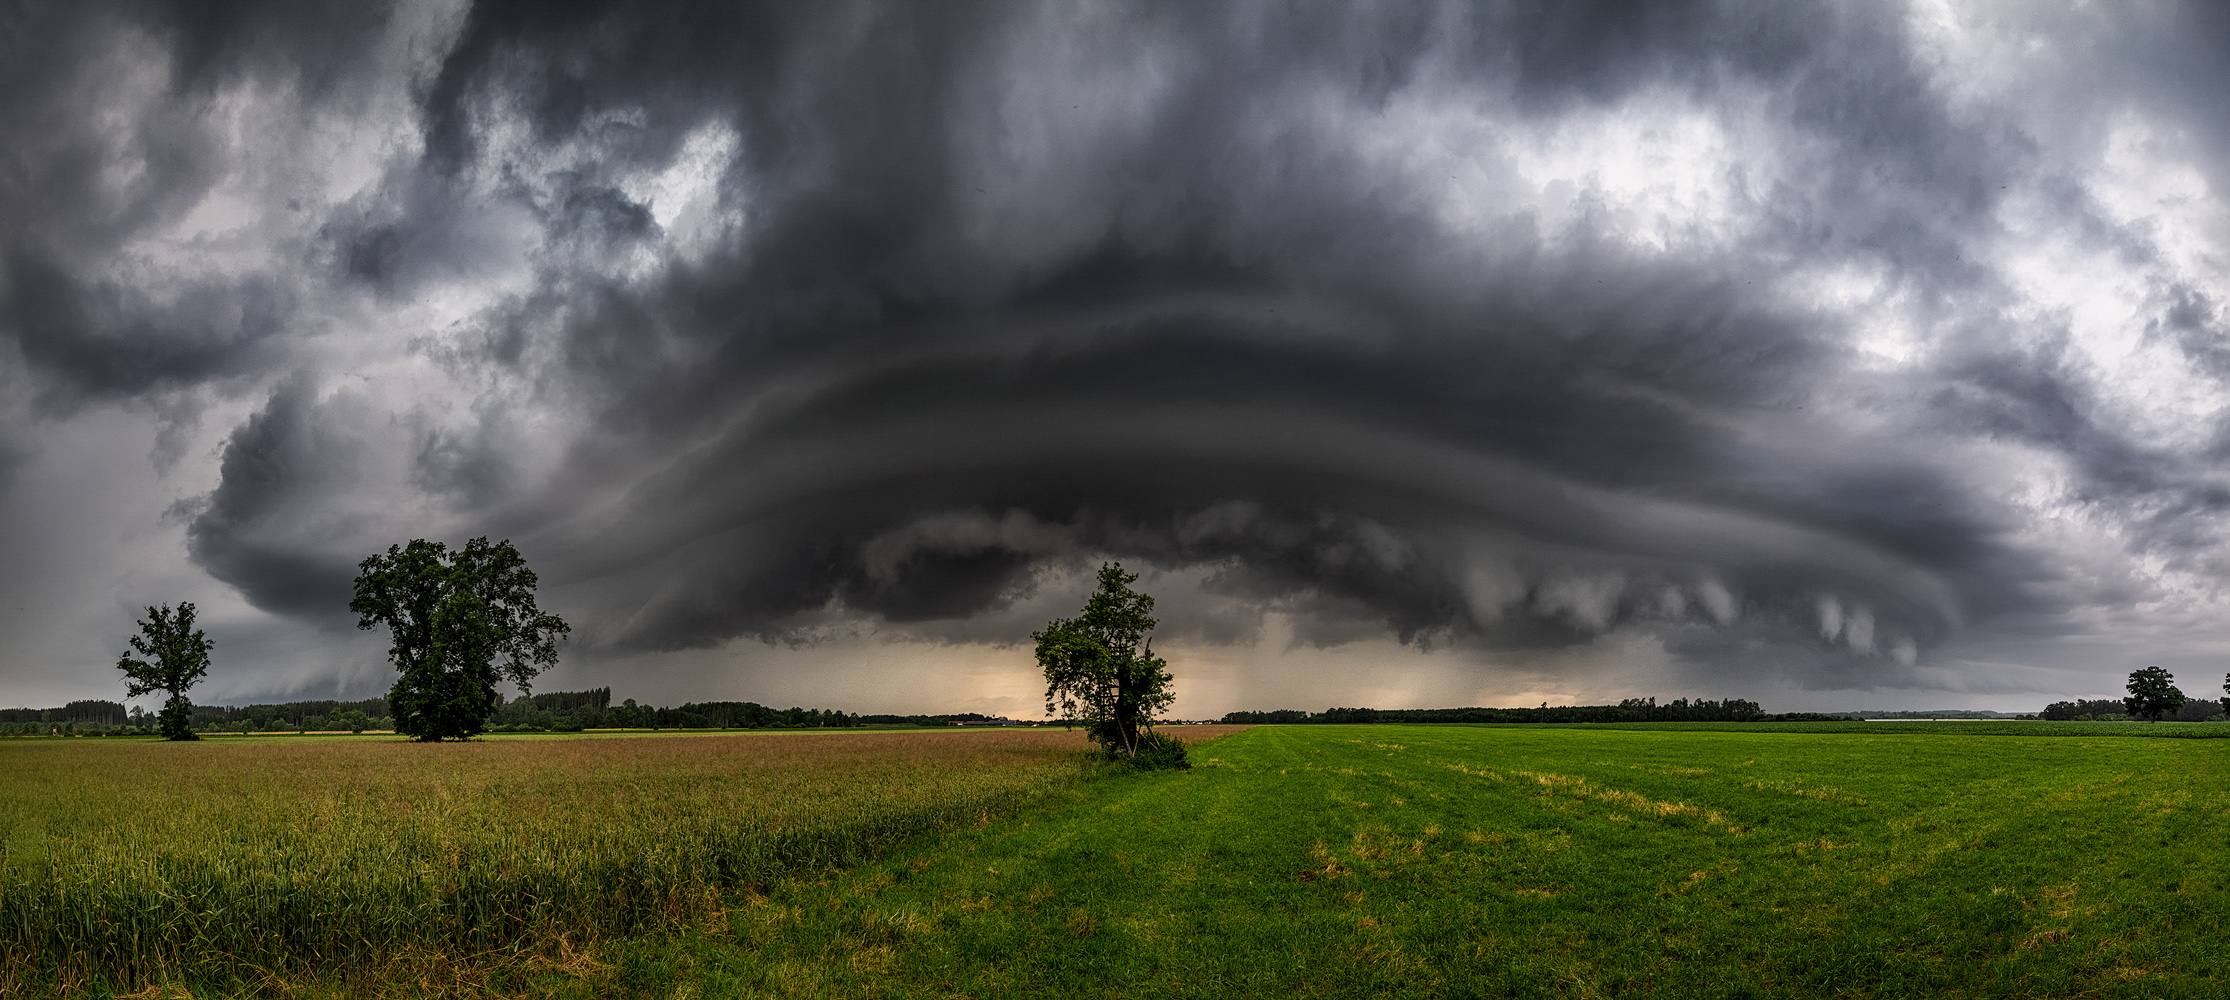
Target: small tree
{"x":2152,"y":694}
{"x":352,"y":720}
{"x":452,"y":614}
{"x":1100,"y":669}
{"x":173,"y":655}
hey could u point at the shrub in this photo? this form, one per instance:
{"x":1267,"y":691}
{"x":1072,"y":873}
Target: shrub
{"x":1157,"y":752}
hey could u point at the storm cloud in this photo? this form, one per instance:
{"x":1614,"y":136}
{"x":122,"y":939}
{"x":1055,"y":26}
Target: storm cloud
{"x":1873,"y":350}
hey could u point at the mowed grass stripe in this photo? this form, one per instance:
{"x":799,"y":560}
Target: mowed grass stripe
{"x":1492,"y":861}
{"x":263,"y":861}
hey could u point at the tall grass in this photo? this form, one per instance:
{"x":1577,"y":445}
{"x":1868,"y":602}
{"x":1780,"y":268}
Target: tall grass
{"x":238,"y":862}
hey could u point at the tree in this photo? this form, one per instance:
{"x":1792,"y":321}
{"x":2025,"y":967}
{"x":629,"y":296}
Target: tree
{"x":352,"y":720}
{"x":1100,"y":669}
{"x":173,"y":655}
{"x":2152,"y":694}
{"x":2084,"y":709}
{"x":451,"y":615}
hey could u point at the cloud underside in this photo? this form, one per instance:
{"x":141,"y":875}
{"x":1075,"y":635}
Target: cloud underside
{"x":1803,"y":337}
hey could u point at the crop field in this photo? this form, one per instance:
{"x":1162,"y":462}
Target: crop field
{"x":259,"y":864}
{"x":1429,"y":861}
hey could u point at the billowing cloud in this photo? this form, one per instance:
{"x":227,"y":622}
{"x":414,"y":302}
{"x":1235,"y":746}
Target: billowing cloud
{"x":1835,"y":348}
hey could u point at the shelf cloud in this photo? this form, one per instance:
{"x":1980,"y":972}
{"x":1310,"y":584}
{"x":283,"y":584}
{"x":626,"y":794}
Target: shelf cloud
{"x":1870,"y":350}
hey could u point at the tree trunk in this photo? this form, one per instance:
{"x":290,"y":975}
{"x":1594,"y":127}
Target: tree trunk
{"x":1126,"y":711}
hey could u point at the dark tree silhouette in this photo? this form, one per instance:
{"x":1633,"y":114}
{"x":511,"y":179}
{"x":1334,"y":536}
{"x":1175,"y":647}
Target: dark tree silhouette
{"x":173,"y":655}
{"x":452,"y":614}
{"x":1100,"y":669}
{"x":2152,"y":694}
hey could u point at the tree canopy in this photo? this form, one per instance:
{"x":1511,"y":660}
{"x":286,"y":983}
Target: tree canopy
{"x":173,"y":655}
{"x":1101,"y":670}
{"x":2152,"y":694}
{"x":461,"y":621}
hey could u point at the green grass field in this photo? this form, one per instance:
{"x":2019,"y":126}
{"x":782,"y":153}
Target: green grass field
{"x":1915,"y":861}
{"x":1458,"y":861}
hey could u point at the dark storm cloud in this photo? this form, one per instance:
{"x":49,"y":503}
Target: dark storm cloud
{"x":1211,"y":346}
{"x":83,"y":176}
{"x":979,"y":290}
{"x":267,"y":528}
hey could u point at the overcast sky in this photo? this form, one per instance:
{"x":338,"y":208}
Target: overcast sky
{"x":1833,"y":355}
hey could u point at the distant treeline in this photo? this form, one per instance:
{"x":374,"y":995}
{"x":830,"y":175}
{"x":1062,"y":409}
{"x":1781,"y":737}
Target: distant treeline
{"x":2087,"y":709}
{"x":557,"y":711}
{"x":1630,"y":710}
{"x":292,"y":713}
{"x":752,"y":715}
{"x":573,"y":711}
{"x":723,"y":715}
{"x":567,"y":711}
{"x":80,"y":718}
{"x":570,"y":711}
{"x":1940,"y":713}
{"x":100,"y":713}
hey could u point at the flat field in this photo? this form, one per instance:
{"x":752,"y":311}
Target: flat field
{"x":267,"y":863}
{"x":1430,"y":861}
{"x":1915,"y":861}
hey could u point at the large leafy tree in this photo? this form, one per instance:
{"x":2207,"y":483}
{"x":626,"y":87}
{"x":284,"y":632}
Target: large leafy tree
{"x":173,"y":655}
{"x":1101,"y":670}
{"x":461,"y":620}
{"x":2152,"y":694}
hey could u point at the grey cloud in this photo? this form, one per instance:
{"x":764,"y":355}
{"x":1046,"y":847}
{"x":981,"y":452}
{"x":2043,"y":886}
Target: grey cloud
{"x":975,"y":294}
{"x":110,"y":340}
{"x":1205,"y":313}
{"x":85,"y":177}
{"x":276,"y":526}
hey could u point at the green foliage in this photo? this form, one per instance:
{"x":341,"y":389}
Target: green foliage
{"x":173,"y":655}
{"x":353,"y":721}
{"x":1159,"y":752}
{"x":2152,"y":694}
{"x":1101,"y":670}
{"x":452,"y":614}
{"x":2085,"y":709}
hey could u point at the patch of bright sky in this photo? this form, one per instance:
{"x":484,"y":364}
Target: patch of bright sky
{"x":1863,"y":298}
{"x":1971,"y":65}
{"x":1996,"y":61}
{"x":2107,"y":294}
{"x":1657,"y":170}
{"x":2094,"y":572}
{"x":685,"y":197}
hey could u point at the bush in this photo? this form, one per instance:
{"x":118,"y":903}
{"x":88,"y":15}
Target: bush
{"x":1159,"y":753}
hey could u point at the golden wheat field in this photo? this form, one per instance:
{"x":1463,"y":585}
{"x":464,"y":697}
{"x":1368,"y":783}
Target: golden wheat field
{"x":269,"y":861}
